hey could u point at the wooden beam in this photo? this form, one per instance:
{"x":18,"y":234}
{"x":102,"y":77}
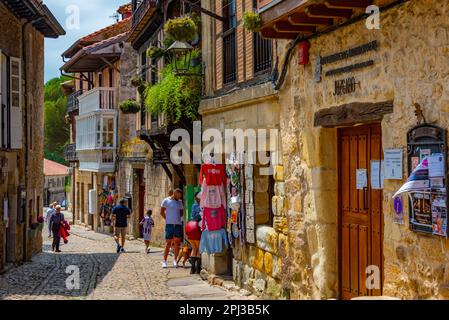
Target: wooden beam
{"x":352,"y":113}
{"x":283,"y":26}
{"x":110,"y":64}
{"x":270,"y":33}
{"x":348,"y":4}
{"x":302,"y":19}
{"x":321,"y":11}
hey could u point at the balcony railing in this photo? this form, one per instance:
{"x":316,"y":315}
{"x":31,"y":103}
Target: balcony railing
{"x":70,"y":153}
{"x":97,"y":99}
{"x":72,"y":101}
{"x":141,"y":10}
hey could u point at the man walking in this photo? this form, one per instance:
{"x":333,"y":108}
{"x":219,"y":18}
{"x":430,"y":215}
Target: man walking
{"x":51,"y":210}
{"x":172,"y":210}
{"x":55,"y":223}
{"x":120,"y":215}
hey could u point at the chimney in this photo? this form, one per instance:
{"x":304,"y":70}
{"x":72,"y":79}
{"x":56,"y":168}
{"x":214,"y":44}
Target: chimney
{"x":125,"y":11}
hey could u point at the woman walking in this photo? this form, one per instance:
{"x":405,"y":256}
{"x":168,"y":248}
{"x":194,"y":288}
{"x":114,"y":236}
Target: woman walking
{"x":56,"y":221}
{"x":193,"y":233}
{"x":147,"y":224}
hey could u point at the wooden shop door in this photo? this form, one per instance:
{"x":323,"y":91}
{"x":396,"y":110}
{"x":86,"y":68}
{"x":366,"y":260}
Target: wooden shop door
{"x":360,"y":212}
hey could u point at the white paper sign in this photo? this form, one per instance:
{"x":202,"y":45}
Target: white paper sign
{"x":377,"y":174}
{"x":361,"y":178}
{"x":393,"y":164}
{"x":436,"y":165}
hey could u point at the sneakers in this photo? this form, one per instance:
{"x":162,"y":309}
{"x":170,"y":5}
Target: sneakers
{"x":148,"y":250}
{"x":118,"y":248}
{"x":164,"y":264}
{"x":122,"y":249}
{"x":175,"y":264}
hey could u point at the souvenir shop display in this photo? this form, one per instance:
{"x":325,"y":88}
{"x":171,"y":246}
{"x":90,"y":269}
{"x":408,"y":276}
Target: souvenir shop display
{"x":213,"y":202}
{"x":107,"y":200}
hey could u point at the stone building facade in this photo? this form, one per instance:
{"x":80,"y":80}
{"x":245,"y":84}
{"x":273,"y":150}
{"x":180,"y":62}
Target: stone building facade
{"x":319,"y":125}
{"x":242,"y":97}
{"x":21,"y":149}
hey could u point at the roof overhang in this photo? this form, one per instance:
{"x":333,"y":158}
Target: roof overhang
{"x":38,"y":13}
{"x":97,"y":56}
{"x":288,"y":19}
{"x":141,"y":17}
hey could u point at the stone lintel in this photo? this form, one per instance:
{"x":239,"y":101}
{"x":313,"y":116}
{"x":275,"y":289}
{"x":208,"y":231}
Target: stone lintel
{"x":352,"y":113}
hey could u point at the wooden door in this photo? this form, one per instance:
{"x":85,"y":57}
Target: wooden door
{"x":360,"y":211}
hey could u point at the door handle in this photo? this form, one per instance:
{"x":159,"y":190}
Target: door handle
{"x":365,"y":198}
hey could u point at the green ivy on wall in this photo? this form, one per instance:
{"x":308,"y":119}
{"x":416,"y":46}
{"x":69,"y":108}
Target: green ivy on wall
{"x":177,"y":96}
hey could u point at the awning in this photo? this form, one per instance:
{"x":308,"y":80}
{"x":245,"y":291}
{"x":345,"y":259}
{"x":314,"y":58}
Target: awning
{"x":287,"y":19}
{"x":97,"y":56}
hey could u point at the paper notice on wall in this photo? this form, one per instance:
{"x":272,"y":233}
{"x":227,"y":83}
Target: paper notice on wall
{"x":361,"y":179}
{"x":393,"y":164}
{"x":436,"y":165}
{"x":439,"y":214}
{"x":377,"y":174}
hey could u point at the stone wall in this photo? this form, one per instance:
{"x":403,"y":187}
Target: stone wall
{"x":25,"y":167}
{"x":411,"y":65}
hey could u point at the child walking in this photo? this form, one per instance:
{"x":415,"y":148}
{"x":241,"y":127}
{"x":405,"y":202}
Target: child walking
{"x":147,"y":224}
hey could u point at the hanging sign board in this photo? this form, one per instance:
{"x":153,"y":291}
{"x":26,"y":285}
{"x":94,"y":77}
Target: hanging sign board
{"x":393,"y":164}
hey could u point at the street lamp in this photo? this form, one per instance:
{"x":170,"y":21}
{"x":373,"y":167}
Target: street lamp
{"x":181,"y":56}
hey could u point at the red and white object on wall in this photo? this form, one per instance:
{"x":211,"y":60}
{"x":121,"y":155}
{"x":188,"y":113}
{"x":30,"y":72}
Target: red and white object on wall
{"x":303,"y":53}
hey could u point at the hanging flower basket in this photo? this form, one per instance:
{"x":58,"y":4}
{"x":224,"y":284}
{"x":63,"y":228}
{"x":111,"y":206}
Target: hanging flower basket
{"x":181,"y":29}
{"x":155,"y":52}
{"x":252,"y":21}
{"x":137,"y":82}
{"x":129,"y":106}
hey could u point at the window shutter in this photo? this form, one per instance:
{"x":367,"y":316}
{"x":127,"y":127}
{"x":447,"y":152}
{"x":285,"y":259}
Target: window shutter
{"x":16,"y":103}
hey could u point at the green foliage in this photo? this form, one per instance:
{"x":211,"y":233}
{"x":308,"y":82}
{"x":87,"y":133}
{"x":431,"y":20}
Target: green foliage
{"x":155,"y":52}
{"x":57,"y":132}
{"x":129,"y":106}
{"x":181,"y":29}
{"x":177,"y":96}
{"x":252,"y":21}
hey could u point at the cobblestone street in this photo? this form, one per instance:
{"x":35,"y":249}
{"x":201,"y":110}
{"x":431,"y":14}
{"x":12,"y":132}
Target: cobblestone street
{"x":106,"y":275}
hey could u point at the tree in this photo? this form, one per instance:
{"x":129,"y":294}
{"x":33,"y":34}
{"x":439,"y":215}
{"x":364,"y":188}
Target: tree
{"x":57,"y":131}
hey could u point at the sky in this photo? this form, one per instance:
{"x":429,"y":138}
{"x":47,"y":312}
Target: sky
{"x":93,"y":15}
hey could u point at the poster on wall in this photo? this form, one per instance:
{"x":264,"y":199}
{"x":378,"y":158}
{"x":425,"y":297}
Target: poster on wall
{"x":377,"y":174}
{"x":436,"y":165}
{"x":361,"y":179}
{"x":439,"y":213}
{"x":424,"y":153}
{"x":393,"y":164}
{"x":398,"y":206}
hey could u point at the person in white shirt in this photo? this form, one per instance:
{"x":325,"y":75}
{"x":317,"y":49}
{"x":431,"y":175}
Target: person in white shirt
{"x":51,"y":210}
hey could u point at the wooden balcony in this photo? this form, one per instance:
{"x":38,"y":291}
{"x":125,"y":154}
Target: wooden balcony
{"x":287,"y":19}
{"x":97,"y":99}
{"x":72,"y":101}
{"x":142,"y":14}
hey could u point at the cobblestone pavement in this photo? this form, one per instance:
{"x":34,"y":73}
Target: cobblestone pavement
{"x":105,"y":274}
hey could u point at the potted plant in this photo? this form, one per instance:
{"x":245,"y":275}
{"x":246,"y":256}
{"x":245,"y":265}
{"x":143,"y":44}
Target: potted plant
{"x":181,"y":29}
{"x":252,"y":21}
{"x":155,"y":52}
{"x":137,"y":81}
{"x":129,"y":106}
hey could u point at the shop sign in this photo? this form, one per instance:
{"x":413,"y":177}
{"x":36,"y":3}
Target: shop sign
{"x":344,"y":55}
{"x":345,"y":86}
